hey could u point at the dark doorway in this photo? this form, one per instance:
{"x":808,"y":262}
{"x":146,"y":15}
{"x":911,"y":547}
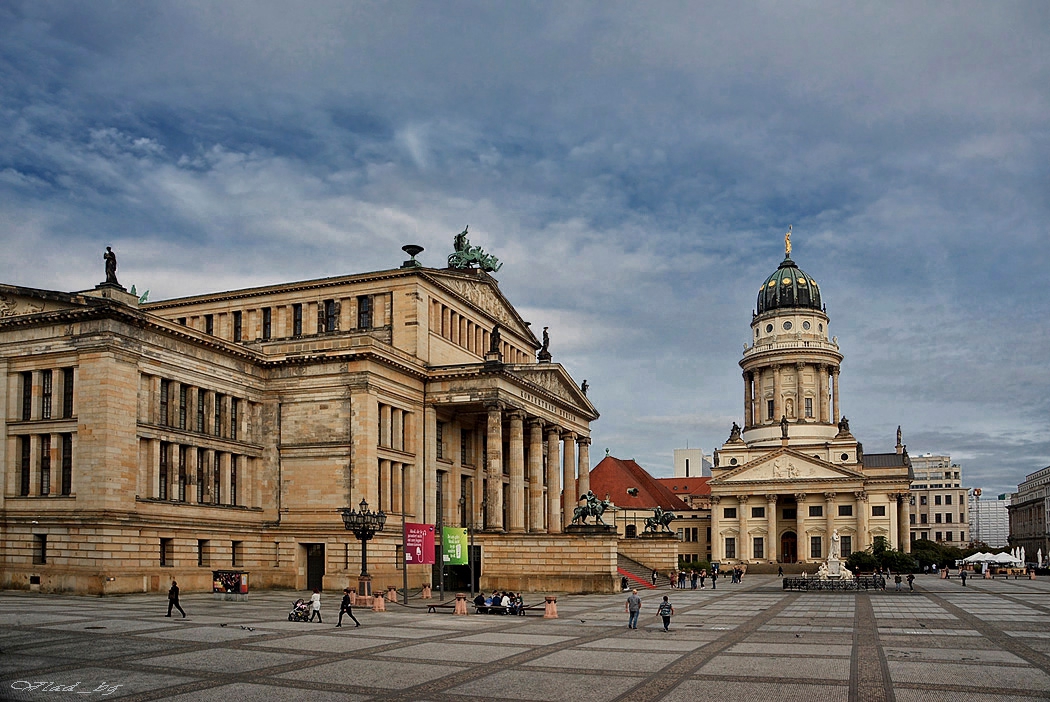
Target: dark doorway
{"x":788,"y":548}
{"x":314,"y":566}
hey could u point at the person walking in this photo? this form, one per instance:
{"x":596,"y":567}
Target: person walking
{"x":173,"y":599}
{"x":315,"y":604}
{"x":665,"y":611}
{"x":897,"y":582}
{"x":962,"y":574}
{"x":633,"y":607}
{"x":911,"y":582}
{"x":344,"y":608}
{"x":654,"y":577}
{"x":780,"y":571}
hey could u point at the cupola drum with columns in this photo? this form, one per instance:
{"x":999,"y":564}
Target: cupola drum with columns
{"x":791,"y":368}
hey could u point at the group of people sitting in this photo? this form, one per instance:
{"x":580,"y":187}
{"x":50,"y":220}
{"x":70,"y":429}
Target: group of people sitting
{"x":506,"y":602}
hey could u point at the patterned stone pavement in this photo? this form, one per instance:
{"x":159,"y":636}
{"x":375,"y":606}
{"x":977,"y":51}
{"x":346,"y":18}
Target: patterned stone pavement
{"x":752,"y":641}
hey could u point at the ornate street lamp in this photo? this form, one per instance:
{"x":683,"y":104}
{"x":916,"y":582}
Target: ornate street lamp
{"x":365,"y":524}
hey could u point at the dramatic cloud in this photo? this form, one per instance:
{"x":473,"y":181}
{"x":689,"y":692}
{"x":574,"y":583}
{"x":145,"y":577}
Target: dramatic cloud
{"x":635,"y":166}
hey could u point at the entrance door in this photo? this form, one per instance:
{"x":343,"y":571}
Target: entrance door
{"x":788,"y":548}
{"x":314,"y":566}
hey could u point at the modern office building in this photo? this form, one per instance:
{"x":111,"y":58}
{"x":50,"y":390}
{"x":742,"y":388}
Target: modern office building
{"x":989,"y":519}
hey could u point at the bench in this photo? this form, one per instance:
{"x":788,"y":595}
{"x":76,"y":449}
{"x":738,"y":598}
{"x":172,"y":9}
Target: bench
{"x":433,"y":608}
{"x":491,"y":609}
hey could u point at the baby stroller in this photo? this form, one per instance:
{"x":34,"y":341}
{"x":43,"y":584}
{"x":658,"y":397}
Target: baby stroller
{"x":300,"y":612}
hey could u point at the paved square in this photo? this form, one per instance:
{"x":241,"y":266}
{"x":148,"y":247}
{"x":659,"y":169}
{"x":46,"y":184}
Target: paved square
{"x":750,"y":641}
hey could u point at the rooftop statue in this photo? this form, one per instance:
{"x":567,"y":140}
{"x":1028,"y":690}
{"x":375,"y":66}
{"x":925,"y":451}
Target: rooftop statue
{"x":787,"y":242}
{"x":660,"y":520}
{"x":734,"y":433}
{"x":467,"y":256}
{"x":111,"y":266}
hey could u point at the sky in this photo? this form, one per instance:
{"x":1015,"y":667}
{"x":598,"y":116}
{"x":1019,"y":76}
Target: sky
{"x":634,"y":165}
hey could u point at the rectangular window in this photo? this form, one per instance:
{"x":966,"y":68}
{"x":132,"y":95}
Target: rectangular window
{"x":962,"y":536}
{"x":233,"y":479}
{"x":730,"y":547}
{"x":911,"y":518}
{"x":46,"y":388}
{"x":67,"y":392}
{"x":39,"y":549}
{"x":67,"y":464}
{"x":758,"y":513}
{"x":769,"y":409}
{"x":163,"y":471}
{"x":759,"y":547}
{"x":167,"y":553}
{"x":236,"y":557}
{"x":937,"y":518}
{"x":200,"y":411}
{"x":217,"y":426}
{"x":209,"y":324}
{"x":216,"y":480}
{"x":183,"y":390}
{"x":181,"y":320}
{"x":790,"y":513}
{"x":948,"y":517}
{"x":233,"y":418}
{"x":182,"y":473}
{"x":816,"y":510}
{"x":27,"y":396}
{"x":938,"y":536}
{"x":936,"y":499}
{"x":200,"y":476}
{"x":809,"y":407}
{"x":922,"y":499}
{"x":924,"y":519}
{"x":878,"y":510}
{"x":267,"y":323}
{"x":947,"y":499}
{"x":330,"y":316}
{"x":25,"y":441}
{"x":845,"y":510}
{"x":202,"y":553}
{"x":948,"y":535}
{"x":364,"y":312}
{"x":464,"y":448}
{"x":846,"y":547}
{"x":238,"y":328}
{"x":297,"y":320}
{"x":45,"y":464}
{"x":440,"y":439}
{"x":815,"y":547}
{"x":165,"y":388}
{"x":729,"y":512}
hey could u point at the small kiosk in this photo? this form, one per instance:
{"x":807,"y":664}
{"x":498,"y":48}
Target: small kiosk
{"x":230,"y":584}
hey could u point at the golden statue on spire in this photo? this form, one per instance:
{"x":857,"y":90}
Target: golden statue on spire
{"x":787,"y":242}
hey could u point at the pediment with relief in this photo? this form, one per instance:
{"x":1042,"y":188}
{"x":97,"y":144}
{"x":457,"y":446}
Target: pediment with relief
{"x":788,"y":467}
{"x":482,"y":296}
{"x":554,"y":381}
{"x":15,"y":305}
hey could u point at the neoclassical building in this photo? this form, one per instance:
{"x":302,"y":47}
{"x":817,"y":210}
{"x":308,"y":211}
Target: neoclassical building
{"x":145,"y":441}
{"x":794,"y":475}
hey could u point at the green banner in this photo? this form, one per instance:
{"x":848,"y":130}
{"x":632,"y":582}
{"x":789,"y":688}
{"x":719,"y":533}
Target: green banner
{"x":454,"y":545}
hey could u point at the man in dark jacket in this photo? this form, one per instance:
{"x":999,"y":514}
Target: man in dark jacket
{"x":173,"y":599}
{"x":344,"y":607}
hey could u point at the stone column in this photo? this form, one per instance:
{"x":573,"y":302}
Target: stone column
{"x":385,"y":417}
{"x":801,"y":545}
{"x":553,"y":480}
{"x":835,"y":394}
{"x":800,"y":397}
{"x":535,"y":476}
{"x":904,"y":522}
{"x":716,"y":538}
{"x":894,"y":534}
{"x":822,"y":393}
{"x":386,"y":486}
{"x":192,"y":475}
{"x":494,"y":459}
{"x":743,"y":548}
{"x":748,"y":400}
{"x":771,"y":528}
{"x":862,"y":520}
{"x":778,"y":400}
{"x":516,"y":496}
{"x":583,"y":446}
{"x":829,"y":516}
{"x":570,"y":496}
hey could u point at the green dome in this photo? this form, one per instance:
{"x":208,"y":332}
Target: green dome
{"x":789,"y":287}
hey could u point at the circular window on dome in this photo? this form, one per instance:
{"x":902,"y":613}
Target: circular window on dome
{"x":772,"y":283}
{"x":806,"y":325}
{"x":769,"y":328}
{"x":787,"y":326}
{"x":801,"y":281}
{"x":786,"y":281}
{"x":845,"y":456}
{"x":732,"y":461}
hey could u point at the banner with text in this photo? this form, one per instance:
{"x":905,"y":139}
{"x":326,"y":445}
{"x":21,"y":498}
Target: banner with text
{"x":419,"y":544}
{"x":454,"y":551}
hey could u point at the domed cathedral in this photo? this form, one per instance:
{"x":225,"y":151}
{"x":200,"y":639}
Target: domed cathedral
{"x":794,"y":485}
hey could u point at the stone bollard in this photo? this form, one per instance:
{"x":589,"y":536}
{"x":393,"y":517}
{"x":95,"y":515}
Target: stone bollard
{"x":461,"y":603}
{"x":353,"y":598}
{"x":944,"y":574}
{"x":987,"y":575}
{"x":426,"y":593}
{"x":391,"y":594}
{"x":550,"y":609}
{"x":1031,"y":575}
{"x":378,"y":603}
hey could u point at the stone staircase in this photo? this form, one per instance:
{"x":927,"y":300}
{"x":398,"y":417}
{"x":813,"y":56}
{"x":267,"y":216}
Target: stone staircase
{"x":637,"y":574}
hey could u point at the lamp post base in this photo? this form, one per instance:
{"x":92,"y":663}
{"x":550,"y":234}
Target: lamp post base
{"x":364,"y":586}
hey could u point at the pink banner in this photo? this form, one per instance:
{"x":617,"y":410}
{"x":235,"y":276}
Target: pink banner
{"x":419,"y":544}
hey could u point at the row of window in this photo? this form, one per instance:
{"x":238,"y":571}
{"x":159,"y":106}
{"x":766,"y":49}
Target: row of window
{"x":204,"y":553}
{"x":771,"y":411}
{"x":462,"y":332}
{"x":328,"y":313}
{"x":947,"y":518}
{"x":207,"y":478}
{"x":939,"y":536}
{"x":814,"y":511}
{"x":47,"y":409}
{"x":25,"y":453}
{"x":816,"y":547}
{"x":212,"y":412}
